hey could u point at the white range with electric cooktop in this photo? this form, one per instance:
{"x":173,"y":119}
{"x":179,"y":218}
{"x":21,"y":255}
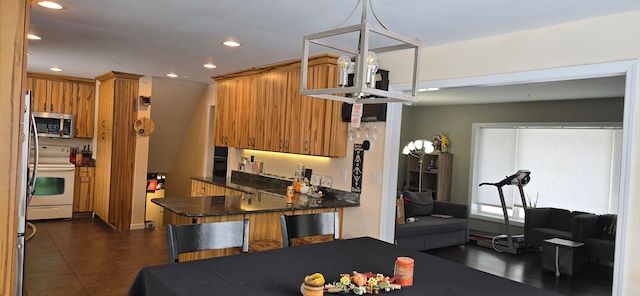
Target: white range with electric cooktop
{"x":53,"y":196}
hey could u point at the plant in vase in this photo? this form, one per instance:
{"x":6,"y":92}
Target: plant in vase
{"x":444,"y":143}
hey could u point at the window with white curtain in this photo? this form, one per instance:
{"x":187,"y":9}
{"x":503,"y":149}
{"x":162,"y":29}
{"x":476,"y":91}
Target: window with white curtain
{"x":573,"y":166}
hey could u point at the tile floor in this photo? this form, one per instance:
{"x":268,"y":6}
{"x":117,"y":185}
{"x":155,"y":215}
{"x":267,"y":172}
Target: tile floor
{"x":84,"y":256}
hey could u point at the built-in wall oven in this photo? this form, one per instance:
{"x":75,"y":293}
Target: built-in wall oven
{"x":220,"y":161}
{"x":53,"y":196}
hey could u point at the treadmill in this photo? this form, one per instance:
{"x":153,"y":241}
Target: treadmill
{"x":506,"y":242}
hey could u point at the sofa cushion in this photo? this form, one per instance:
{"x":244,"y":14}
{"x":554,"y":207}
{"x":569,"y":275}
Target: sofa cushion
{"x":417,"y":203}
{"x":560,"y":219}
{"x":430,"y":225}
{"x":607,"y":226}
{"x":600,"y":249}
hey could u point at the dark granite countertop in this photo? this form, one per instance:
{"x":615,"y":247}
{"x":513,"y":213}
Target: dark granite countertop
{"x":259,"y":194}
{"x":251,"y":183}
{"x":246,"y":203}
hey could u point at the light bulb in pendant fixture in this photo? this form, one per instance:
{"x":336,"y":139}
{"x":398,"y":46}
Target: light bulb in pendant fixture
{"x":372,"y":68}
{"x":346,"y":67}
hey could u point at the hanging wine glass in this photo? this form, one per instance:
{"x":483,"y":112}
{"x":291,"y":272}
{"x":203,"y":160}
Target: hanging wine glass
{"x":358,"y":134}
{"x":374,"y":133}
{"x":366,"y":133}
{"x":350,"y":135}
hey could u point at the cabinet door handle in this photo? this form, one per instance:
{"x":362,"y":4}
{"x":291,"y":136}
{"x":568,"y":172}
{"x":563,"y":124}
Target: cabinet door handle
{"x":44,"y":106}
{"x":102,"y":135}
{"x":306,"y":145}
{"x":253,"y":143}
{"x":286,"y":145}
{"x":51,"y":108}
{"x":280,"y":145}
{"x":104,"y":123}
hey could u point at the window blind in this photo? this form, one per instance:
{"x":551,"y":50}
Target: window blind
{"x":572,"y":168}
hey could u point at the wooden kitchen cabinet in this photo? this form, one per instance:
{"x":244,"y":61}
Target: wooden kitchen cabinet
{"x":84,"y":109}
{"x":115,"y":149}
{"x":271,"y":115}
{"x":245,"y":116}
{"x":200,"y":188}
{"x":84,"y":189}
{"x":50,"y":95}
{"x":225,"y":113}
{"x":63,"y":94}
{"x":436,"y":180}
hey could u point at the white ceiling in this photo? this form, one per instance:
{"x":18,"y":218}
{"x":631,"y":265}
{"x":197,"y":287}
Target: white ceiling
{"x":154,"y":37}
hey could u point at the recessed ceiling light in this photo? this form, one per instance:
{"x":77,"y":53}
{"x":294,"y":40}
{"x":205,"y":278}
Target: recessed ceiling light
{"x":433,"y":89}
{"x":209,"y":65}
{"x":231,"y":43}
{"x":33,"y":37}
{"x":422,"y":89}
{"x":56,"y":69}
{"x":172,"y":75}
{"x":28,"y":53}
{"x":50,"y":4}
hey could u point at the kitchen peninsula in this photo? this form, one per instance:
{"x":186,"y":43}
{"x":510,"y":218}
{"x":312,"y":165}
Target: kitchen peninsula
{"x":260,"y":199}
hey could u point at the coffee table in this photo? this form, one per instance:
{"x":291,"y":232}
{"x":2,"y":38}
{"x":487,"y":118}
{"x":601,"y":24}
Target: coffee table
{"x":562,"y":256}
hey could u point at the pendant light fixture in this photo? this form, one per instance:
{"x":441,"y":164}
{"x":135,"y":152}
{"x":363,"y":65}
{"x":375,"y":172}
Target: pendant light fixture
{"x":357,"y":48}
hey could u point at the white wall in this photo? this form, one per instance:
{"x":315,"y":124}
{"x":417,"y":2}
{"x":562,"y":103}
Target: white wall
{"x":174,"y":105}
{"x":592,"y":41}
{"x":192,"y":155}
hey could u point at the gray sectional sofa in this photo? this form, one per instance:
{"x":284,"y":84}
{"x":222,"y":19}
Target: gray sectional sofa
{"x":430,"y":232}
{"x":545,"y":223}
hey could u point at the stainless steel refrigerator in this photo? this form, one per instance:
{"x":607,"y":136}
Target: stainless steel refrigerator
{"x":27,"y":184}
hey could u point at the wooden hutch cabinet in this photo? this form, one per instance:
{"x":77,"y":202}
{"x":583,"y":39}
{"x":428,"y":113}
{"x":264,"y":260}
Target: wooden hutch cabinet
{"x":436,"y":175}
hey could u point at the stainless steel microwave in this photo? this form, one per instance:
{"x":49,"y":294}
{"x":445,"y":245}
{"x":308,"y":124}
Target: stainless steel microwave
{"x":55,"y":125}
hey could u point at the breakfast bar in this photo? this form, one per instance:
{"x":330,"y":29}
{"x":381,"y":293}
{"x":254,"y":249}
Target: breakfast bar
{"x":253,"y":197}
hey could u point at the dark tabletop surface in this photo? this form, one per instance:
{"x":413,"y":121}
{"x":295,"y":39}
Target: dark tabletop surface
{"x":281,"y":272}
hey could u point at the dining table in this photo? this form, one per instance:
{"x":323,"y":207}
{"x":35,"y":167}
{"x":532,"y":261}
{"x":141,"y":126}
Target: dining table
{"x":282,"y":272}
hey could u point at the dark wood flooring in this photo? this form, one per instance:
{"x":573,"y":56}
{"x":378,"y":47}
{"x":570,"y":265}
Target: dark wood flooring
{"x":594,"y":279}
{"x":83,"y":256}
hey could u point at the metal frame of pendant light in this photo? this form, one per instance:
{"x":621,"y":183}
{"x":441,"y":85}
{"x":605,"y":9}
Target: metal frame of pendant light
{"x":360,"y":92}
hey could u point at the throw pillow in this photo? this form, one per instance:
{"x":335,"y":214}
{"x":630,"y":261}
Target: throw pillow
{"x":417,"y":204}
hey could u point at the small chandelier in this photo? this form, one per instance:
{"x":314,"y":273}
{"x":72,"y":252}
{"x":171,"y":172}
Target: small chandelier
{"x":361,"y":61}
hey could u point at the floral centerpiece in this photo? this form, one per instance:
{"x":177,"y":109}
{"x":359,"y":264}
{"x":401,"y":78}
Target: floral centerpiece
{"x":361,"y":283}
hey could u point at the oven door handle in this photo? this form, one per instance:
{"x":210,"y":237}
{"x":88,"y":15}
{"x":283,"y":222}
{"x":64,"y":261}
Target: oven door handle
{"x":41,"y":169}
